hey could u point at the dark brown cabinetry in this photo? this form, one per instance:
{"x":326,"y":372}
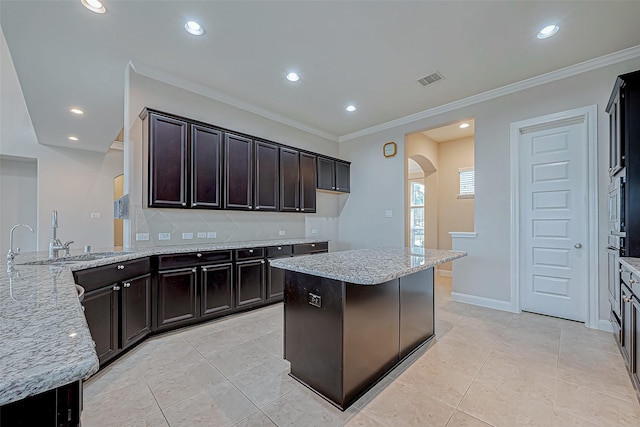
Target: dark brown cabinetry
{"x":117,"y":305}
{"x":629,"y":337}
{"x":238,"y":166}
{"x":334,"y":175}
{"x":307,"y":183}
{"x":192,"y":286}
{"x":250,"y":276}
{"x":275,"y":276}
{"x":289,"y":180}
{"x":184,"y":163}
{"x":266,"y":176}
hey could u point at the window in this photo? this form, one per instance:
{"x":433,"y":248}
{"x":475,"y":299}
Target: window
{"x":467,"y":183}
{"x":417,"y":214}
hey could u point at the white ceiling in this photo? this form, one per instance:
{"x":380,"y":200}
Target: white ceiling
{"x":451,"y":132}
{"x":366,"y":53}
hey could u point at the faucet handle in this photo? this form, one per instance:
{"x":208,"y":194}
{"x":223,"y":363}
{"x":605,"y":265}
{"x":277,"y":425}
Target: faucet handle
{"x":66,"y":244}
{"x":17,"y":252}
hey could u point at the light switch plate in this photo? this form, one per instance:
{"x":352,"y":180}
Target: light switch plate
{"x":142,"y":236}
{"x":202,"y":234}
{"x":164,"y":236}
{"x":187,"y":236}
{"x":281,"y":233}
{"x":388,"y":213}
{"x":211,"y":234}
{"x":314,"y":231}
{"x":95,"y":215}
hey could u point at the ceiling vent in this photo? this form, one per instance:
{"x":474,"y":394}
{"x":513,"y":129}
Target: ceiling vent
{"x":431,"y":78}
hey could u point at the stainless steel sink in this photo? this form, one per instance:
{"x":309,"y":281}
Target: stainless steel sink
{"x":76,"y":258}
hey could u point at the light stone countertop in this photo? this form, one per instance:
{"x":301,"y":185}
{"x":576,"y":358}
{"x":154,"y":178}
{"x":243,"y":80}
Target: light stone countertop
{"x":367,"y":266}
{"x":632,"y":263}
{"x":45,"y":342}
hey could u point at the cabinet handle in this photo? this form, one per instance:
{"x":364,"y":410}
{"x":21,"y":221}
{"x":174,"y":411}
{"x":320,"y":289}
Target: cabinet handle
{"x":250,"y":251}
{"x":632,"y":281}
{"x":194,"y":269}
{"x":279,"y":248}
{"x":120,"y":267}
{"x":250,"y":207}
{"x":297,"y":209}
{"x":194,"y":204}
{"x":257,"y":207}
{"x":620,"y":270}
{"x":198,"y":255}
{"x":625,"y":299}
{"x":302,"y":209}
{"x":333,"y":188}
{"x":184,"y":204}
{"x":204,"y":269}
{"x":126,"y":284}
{"x":313,"y":245}
{"x":262,"y":262}
{"x":116,"y":288}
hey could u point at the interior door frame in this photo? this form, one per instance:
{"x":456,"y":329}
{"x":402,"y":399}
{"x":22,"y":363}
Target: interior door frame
{"x":589,"y":114}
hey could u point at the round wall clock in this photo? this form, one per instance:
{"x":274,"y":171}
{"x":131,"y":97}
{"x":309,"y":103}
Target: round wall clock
{"x":389,"y":149}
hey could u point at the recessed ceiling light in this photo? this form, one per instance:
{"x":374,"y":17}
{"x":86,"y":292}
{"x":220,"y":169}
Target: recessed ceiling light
{"x":94,"y":6}
{"x":293,"y":77}
{"x":77,"y":111}
{"x":548,"y":31}
{"x":194,"y":28}
{"x":350,"y":108}
{"x":72,"y":138}
{"x":464,"y":125}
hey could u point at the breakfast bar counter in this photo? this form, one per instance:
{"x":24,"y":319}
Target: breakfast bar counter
{"x":350,"y":317}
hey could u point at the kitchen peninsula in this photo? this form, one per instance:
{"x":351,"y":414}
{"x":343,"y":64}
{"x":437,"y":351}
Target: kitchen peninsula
{"x":352,"y":316}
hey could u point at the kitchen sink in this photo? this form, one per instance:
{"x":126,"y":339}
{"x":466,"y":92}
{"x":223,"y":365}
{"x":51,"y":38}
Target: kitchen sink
{"x":76,"y":258}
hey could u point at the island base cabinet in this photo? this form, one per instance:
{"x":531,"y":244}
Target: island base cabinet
{"x":136,"y":310}
{"x":101,"y":312}
{"x":340,"y":338}
{"x":416,"y":313}
{"x":60,"y":407}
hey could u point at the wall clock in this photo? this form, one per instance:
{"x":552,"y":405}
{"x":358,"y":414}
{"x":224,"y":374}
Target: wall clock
{"x":389,"y":149}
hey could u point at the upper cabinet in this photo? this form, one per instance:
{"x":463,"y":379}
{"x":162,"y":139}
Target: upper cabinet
{"x":195,"y":165}
{"x":333,"y":175}
{"x":238,"y":166}
{"x":167,"y":162}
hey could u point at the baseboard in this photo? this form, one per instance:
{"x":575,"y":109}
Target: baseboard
{"x":446,"y":273}
{"x":482,"y":301}
{"x":605,"y":325}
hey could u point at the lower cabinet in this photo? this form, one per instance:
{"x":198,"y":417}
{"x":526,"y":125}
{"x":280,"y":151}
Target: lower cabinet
{"x":629,"y":337}
{"x":176,"y":296}
{"x":626,"y":315}
{"x":216,"y":290}
{"x":634,"y":364}
{"x":101,"y":311}
{"x":250,"y":276}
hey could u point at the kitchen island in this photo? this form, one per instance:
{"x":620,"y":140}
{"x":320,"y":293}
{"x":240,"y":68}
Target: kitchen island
{"x":350,"y":317}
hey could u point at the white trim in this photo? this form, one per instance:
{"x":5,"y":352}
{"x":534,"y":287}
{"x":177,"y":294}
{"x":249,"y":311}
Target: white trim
{"x":605,"y":325}
{"x":199,"y":89}
{"x":483,"y":302}
{"x":445,"y":273}
{"x":590,"y":115}
{"x":463,"y":234}
{"x":572,"y":70}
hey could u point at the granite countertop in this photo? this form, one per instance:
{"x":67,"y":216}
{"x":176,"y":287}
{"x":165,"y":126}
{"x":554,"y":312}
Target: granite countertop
{"x":367,"y":266}
{"x":632,"y":263}
{"x":45,"y":342}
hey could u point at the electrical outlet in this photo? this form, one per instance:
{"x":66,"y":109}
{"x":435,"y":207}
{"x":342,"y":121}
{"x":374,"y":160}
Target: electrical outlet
{"x":388,"y":213}
{"x":142,"y":236}
{"x":202,"y":234}
{"x":187,"y":236}
{"x":164,"y":236}
{"x":281,"y":233}
{"x":211,"y":234}
{"x":314,"y":231}
{"x":95,"y":215}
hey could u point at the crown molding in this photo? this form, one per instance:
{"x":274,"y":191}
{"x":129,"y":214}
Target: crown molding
{"x":199,"y":89}
{"x":572,"y":70}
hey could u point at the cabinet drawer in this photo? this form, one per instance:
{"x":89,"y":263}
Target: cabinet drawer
{"x":93,"y":278}
{"x":310,"y":248}
{"x":279,"y":251}
{"x":249,"y":253}
{"x":191,"y":259}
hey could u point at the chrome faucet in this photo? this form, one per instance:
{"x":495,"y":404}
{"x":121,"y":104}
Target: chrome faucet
{"x":11,"y":254}
{"x":55,"y":244}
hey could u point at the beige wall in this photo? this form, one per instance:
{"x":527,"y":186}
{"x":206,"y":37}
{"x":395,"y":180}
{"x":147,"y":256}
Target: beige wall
{"x":454,"y":214}
{"x":228,"y":225}
{"x":74,"y":182}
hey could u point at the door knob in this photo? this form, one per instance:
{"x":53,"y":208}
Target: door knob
{"x":578,"y":245}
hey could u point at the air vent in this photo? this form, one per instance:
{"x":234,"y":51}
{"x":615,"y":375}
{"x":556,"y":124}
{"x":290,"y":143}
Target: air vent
{"x":431,"y":78}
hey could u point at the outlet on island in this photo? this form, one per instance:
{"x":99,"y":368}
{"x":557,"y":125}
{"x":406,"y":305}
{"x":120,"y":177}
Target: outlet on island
{"x":281,"y":233}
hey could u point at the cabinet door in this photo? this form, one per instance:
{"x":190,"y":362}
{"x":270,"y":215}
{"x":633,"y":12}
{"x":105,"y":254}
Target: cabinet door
{"x":326,"y":174}
{"x":275,"y":283}
{"x":343,"y":179}
{"x":626,"y":323}
{"x":289,"y":180}
{"x":307,"y":182}
{"x":135,"y":323}
{"x":101,"y":312}
{"x":205,"y":174}
{"x":250,"y":282}
{"x":238,"y":172}
{"x":167,"y":162}
{"x":266,"y":176}
{"x":616,"y":142}
{"x":634,"y":364}
{"x":176,"y":296}
{"x":216,"y":294}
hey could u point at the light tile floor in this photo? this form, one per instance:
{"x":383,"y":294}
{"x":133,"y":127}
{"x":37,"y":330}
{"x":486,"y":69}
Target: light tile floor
{"x":485,"y":368}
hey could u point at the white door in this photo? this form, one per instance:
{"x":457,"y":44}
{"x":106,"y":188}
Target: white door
{"x":553,"y":214}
